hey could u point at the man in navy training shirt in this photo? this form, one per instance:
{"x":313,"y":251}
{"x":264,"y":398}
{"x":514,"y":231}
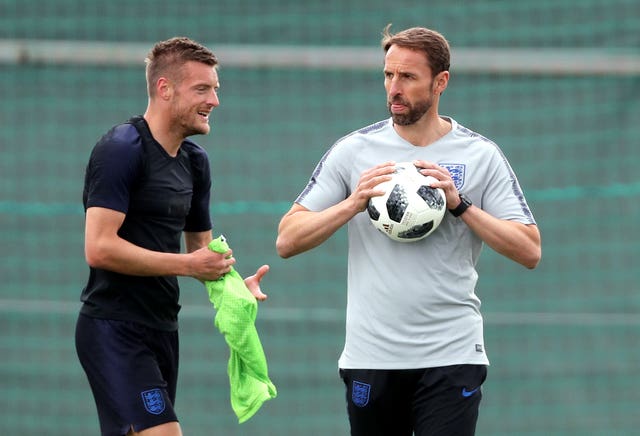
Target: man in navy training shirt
{"x":147,"y":185}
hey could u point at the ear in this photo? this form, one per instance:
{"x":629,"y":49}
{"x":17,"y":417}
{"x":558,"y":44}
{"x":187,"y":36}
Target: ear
{"x":440,"y":82}
{"x":164,"y":88}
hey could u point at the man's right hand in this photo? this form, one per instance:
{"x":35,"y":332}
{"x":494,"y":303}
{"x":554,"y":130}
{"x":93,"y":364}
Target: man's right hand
{"x":368,"y":184}
{"x":209,"y":265}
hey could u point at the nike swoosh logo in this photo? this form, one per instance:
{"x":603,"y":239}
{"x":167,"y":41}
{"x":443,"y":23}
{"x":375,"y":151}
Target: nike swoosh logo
{"x":466,"y":393}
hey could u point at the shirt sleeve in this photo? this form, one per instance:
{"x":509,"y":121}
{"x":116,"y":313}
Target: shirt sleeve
{"x":111,"y":173}
{"x":503,"y":197}
{"x":199,"y":217}
{"x":328,"y":184}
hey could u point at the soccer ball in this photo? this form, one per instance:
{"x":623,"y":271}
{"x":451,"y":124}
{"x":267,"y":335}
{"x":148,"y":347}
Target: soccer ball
{"x":410,"y":209}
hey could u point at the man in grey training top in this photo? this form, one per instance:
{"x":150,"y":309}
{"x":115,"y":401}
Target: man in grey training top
{"x":414,"y":357}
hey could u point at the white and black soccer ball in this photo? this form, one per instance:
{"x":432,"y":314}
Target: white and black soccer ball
{"x":410,"y":209}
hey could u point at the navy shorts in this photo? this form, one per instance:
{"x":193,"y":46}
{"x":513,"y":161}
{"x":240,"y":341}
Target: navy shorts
{"x":132,"y":370}
{"x":426,"y":402}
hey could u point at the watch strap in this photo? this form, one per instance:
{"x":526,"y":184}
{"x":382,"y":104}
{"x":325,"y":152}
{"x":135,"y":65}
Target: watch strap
{"x":462,"y":207}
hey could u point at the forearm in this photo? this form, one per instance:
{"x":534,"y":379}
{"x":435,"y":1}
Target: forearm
{"x":301,"y":230}
{"x":516,"y":241}
{"x":195,"y":240}
{"x":118,"y":255}
{"x":106,"y":250}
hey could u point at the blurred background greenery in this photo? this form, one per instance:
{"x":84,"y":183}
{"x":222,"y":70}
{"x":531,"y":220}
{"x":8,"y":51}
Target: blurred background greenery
{"x":562,"y":339}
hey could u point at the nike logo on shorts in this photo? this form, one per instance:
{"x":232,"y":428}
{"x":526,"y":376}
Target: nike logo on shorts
{"x":466,"y":393}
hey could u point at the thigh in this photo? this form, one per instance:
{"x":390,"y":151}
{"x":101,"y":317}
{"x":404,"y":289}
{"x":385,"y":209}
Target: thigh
{"x":168,"y":429}
{"x":378,"y":402}
{"x":447,"y":400}
{"x":165,"y":347}
{"x":127,"y":377}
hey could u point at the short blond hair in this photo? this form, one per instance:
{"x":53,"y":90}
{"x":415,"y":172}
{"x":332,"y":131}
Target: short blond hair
{"x":169,"y":56}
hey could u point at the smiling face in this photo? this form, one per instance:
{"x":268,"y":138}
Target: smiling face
{"x":195,"y":95}
{"x":412,"y":91}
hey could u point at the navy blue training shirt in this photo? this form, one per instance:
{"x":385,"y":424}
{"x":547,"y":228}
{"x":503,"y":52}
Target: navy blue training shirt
{"x":161,"y":196}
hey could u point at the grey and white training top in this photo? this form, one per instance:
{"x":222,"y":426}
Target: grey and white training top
{"x":413,"y":305}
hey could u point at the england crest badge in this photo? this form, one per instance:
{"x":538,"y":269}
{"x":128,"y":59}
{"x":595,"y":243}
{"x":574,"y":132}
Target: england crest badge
{"x":457,"y":172}
{"x":360,"y":393}
{"x":153,"y":401}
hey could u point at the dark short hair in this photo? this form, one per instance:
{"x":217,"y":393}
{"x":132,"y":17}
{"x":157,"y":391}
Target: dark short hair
{"x":168,"y":57}
{"x":433,"y":44}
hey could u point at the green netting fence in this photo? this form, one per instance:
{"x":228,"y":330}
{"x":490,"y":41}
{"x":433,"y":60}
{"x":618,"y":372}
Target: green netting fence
{"x":563,"y":339}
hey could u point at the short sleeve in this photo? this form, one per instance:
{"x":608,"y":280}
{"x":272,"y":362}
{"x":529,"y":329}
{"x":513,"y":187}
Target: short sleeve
{"x":503,"y":197}
{"x":199,"y":217}
{"x":327,"y":185}
{"x":113,"y":168}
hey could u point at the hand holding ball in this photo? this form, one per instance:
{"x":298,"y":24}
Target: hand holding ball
{"x":410,"y":210}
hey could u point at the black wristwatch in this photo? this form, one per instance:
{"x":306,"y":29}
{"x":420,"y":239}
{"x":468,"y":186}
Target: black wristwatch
{"x":464,"y":205}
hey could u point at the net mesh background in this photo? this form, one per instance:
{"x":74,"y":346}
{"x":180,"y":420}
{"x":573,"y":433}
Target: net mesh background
{"x":562,"y":339}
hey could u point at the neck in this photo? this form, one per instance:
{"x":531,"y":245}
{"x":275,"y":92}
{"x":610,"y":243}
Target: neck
{"x":162,"y":132}
{"x":425,"y":131}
